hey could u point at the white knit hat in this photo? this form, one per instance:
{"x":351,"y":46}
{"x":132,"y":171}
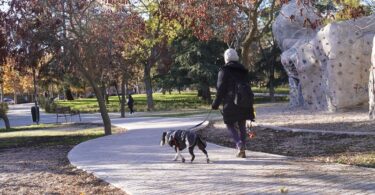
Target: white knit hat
{"x":230,"y":55}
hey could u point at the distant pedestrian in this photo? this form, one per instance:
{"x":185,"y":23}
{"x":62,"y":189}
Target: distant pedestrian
{"x":233,"y":90}
{"x":131,"y":103}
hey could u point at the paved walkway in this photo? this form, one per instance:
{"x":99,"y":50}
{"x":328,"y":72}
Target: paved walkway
{"x":134,"y":162}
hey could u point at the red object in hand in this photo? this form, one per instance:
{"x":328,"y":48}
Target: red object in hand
{"x":251,"y":134}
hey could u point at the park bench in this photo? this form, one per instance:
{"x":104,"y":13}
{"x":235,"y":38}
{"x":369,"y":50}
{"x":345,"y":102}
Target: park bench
{"x":66,"y":111}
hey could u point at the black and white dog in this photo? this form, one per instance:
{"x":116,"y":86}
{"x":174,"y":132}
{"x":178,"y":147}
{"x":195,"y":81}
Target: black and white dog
{"x":180,"y":139}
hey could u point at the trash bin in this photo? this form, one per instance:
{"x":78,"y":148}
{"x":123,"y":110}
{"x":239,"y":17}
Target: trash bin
{"x":35,"y":113}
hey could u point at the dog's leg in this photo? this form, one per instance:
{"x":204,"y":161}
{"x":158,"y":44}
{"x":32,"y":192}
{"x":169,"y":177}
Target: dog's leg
{"x":202,"y":147}
{"x":176,"y":156}
{"x":191,"y":151}
{"x":179,"y":154}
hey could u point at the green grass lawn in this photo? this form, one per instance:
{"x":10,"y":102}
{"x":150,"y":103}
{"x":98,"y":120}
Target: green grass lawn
{"x":167,"y":102}
{"x":279,"y":90}
{"x":29,"y":128}
{"x":49,"y":135}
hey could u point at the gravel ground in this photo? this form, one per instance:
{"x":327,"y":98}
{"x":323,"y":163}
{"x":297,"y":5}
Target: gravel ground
{"x":297,"y":144}
{"x":280,"y":115}
{"x":317,"y":146}
{"x":46,"y":170}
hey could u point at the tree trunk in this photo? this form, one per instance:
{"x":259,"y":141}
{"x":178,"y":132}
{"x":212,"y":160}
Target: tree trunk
{"x":123,"y":100}
{"x":117,"y":93}
{"x":148,"y":85}
{"x":200,"y":92}
{"x":6,"y":120}
{"x":68,"y":94}
{"x":2,"y":93}
{"x":206,"y":94}
{"x":103,"y":110}
{"x":244,"y":55}
{"x":272,"y":80}
{"x":104,"y":93}
{"x":15,"y":98}
{"x":100,"y":99}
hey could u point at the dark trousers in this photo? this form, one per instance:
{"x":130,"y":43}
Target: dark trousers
{"x":131,"y":109}
{"x":239,"y":136}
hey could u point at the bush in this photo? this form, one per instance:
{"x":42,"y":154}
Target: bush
{"x":48,"y":105}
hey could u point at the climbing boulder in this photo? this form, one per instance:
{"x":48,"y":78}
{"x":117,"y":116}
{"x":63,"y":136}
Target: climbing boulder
{"x":328,"y":67}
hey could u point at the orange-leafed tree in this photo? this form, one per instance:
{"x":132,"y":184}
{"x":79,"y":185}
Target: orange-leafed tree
{"x":79,"y":36}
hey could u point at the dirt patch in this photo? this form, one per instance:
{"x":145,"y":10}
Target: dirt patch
{"x":314,"y":146}
{"x":280,"y":114}
{"x":40,"y":165}
{"x":46,"y":170}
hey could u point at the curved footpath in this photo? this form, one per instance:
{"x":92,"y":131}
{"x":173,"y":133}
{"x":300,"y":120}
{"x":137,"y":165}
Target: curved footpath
{"x":135,"y":162}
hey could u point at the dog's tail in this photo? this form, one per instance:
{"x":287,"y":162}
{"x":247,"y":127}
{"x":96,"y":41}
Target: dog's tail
{"x":201,"y":141}
{"x":163,"y":137}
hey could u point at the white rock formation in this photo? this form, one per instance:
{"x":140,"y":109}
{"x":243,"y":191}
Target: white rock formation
{"x":330,"y":68}
{"x":371,"y":84}
{"x":289,"y":33}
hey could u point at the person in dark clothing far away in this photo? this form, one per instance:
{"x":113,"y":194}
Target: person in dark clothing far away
{"x":130,"y":103}
{"x":234,"y":114}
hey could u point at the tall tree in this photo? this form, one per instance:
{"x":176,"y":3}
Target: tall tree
{"x":235,"y":21}
{"x":200,"y":60}
{"x":92,"y":46}
{"x":3,"y":50}
{"x":159,"y":31}
{"x":76,"y":34}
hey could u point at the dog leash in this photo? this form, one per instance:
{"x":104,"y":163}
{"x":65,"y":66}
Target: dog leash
{"x":209,"y":113}
{"x":249,"y":127}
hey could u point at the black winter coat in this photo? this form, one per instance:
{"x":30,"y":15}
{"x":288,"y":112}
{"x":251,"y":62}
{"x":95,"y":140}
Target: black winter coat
{"x":225,"y":93}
